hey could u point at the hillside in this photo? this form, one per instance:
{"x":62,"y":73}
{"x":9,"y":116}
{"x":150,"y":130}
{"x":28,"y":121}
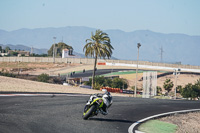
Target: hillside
{"x":177,"y":47}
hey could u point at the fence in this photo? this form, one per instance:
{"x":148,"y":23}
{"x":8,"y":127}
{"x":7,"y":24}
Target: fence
{"x":90,"y":61}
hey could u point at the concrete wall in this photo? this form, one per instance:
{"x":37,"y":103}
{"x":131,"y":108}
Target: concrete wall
{"x":90,"y":61}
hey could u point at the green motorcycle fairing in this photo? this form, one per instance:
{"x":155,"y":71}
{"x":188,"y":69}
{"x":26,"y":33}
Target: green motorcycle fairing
{"x":100,"y":106}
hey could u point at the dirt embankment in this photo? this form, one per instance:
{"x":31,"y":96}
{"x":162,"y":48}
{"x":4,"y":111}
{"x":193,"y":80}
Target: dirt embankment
{"x":182,"y":79}
{"x":8,"y":84}
{"x":34,"y":68}
{"x":187,"y":123}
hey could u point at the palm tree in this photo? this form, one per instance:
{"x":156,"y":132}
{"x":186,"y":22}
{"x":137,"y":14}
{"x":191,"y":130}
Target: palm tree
{"x":98,"y":46}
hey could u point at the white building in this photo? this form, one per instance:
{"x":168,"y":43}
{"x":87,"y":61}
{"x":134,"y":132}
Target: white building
{"x":67,"y":53}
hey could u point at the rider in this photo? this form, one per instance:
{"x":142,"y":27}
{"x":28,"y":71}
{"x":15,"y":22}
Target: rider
{"x":107,"y":99}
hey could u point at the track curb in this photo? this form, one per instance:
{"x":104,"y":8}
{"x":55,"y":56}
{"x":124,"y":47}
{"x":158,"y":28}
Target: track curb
{"x":134,"y":126}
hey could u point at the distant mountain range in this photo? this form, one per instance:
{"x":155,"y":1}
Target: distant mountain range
{"x":26,"y":48}
{"x":176,"y":47}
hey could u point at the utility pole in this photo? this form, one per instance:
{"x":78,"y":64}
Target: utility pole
{"x":176,"y":73}
{"x":62,"y":39}
{"x":31,"y":50}
{"x":54,"y":49}
{"x":161,"y":54}
{"x":112,"y":69}
{"x":135,"y":92}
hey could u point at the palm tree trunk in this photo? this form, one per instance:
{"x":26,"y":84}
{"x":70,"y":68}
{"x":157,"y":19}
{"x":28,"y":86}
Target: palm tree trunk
{"x":93,"y":76}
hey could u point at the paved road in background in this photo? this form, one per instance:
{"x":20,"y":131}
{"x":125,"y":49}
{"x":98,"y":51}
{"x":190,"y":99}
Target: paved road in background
{"x":63,"y":114}
{"x":98,"y":72}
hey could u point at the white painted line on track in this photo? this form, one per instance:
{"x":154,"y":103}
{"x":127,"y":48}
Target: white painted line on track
{"x":3,"y":95}
{"x":130,"y":130}
{"x":70,"y":95}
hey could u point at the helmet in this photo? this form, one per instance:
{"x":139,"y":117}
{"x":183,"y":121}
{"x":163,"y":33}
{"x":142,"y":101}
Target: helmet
{"x":104,"y":90}
{"x":107,"y":98}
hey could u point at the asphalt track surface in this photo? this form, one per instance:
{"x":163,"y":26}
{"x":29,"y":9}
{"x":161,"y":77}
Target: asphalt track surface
{"x":98,"y":72}
{"x":63,"y":114}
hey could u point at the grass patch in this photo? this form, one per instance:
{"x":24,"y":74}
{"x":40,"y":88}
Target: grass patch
{"x":161,"y":97}
{"x":156,"y":126}
{"x":121,"y":73}
{"x":126,"y":72}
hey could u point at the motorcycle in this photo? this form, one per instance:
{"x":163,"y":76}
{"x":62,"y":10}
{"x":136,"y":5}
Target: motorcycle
{"x":96,"y":104}
{"x":93,"y":109}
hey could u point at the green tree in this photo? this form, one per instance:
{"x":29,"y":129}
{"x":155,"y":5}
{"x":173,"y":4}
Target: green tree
{"x":58,"y":48}
{"x":12,"y":53}
{"x":23,"y":55}
{"x":7,"y":49}
{"x":179,"y":87}
{"x":159,"y":90}
{"x":191,"y":91}
{"x":108,"y":82}
{"x":119,"y":83}
{"x":197,"y":87}
{"x":198,"y":83}
{"x":168,"y":85}
{"x":186,"y":92}
{"x":98,"y":45}
{"x":101,"y":81}
{"x":0,"y":49}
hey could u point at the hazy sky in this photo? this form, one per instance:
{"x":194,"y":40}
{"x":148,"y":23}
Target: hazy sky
{"x":165,"y":16}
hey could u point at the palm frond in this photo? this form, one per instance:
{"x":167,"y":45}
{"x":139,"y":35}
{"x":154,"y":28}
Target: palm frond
{"x":99,"y":44}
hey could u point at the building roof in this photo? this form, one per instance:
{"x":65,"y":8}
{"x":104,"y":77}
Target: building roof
{"x":66,"y":49}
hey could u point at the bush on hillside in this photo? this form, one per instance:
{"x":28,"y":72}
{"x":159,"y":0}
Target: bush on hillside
{"x":43,"y":77}
{"x":191,"y":90}
{"x":101,"y":81}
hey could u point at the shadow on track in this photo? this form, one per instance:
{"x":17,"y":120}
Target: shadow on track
{"x":111,"y":120}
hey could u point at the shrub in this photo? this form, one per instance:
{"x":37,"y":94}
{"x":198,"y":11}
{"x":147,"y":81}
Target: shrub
{"x":133,"y":87}
{"x":159,"y":90}
{"x":43,"y":77}
{"x":168,"y":85}
{"x":119,"y":83}
{"x":57,"y":80}
{"x":97,"y":86}
{"x":6,"y":73}
{"x":101,"y":81}
{"x":178,"y":89}
{"x":108,"y":82}
{"x":191,"y":91}
{"x":88,"y":82}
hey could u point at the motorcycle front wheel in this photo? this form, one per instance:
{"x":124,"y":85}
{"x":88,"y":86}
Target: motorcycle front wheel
{"x":89,"y":112}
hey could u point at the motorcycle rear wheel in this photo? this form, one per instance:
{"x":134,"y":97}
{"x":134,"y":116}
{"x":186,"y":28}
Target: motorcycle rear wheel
{"x":89,"y":112}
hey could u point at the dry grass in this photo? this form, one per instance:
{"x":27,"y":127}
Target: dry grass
{"x":187,"y":123}
{"x":20,"y":85}
{"x":25,"y":66}
{"x":11,"y":65}
{"x":182,"y":79}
